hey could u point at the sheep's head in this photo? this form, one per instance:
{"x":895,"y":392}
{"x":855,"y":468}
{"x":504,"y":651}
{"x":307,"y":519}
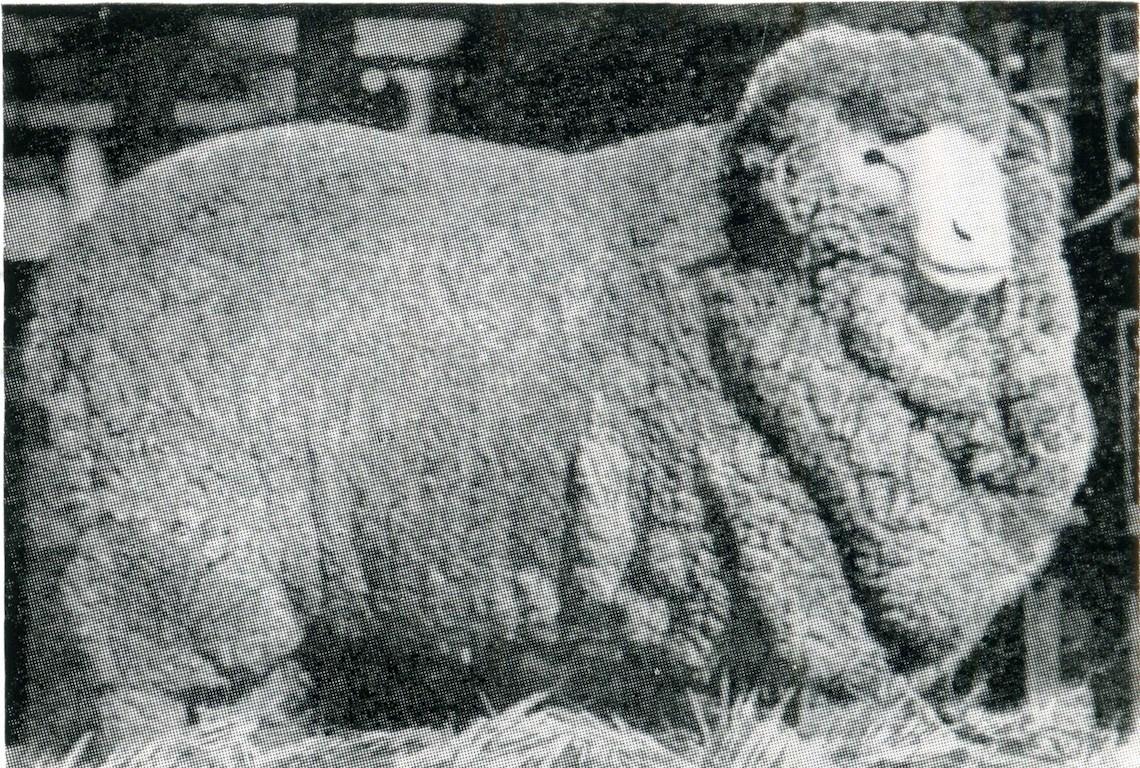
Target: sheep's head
{"x":853,"y":172}
{"x":899,"y":320}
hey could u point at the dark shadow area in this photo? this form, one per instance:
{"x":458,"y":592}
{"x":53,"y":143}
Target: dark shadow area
{"x":19,"y":278}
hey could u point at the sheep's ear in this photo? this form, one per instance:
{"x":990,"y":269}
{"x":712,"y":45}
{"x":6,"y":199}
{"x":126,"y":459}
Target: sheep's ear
{"x":749,"y":136}
{"x":754,"y":157}
{"x":1029,"y":138}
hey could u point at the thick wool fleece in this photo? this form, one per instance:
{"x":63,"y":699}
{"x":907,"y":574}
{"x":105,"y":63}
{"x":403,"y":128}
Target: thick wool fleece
{"x":451,"y":398}
{"x":943,"y":443}
{"x":530,"y":414}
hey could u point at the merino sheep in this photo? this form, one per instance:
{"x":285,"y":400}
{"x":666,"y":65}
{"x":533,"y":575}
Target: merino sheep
{"x":710,"y":401}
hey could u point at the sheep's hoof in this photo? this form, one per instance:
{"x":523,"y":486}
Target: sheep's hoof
{"x":277,"y":701}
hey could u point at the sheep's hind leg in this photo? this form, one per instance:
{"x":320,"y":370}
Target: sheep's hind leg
{"x":174,"y":624}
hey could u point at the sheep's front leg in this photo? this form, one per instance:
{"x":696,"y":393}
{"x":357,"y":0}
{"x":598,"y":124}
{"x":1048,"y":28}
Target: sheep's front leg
{"x":603,"y":533}
{"x":175,"y":621}
{"x":789,"y":572}
{"x":614,"y":611}
{"x":603,"y":612}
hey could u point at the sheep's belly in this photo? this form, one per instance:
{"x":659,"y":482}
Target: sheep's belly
{"x":434,"y":464}
{"x":458,"y":506}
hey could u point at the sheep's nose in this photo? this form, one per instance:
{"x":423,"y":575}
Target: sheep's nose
{"x":874,"y":157}
{"x":964,"y":255}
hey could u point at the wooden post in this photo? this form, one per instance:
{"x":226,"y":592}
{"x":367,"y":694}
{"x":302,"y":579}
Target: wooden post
{"x":85,"y":177}
{"x":38,"y":214}
{"x":402,"y":52}
{"x":1128,"y":362}
{"x":1049,"y":86}
{"x":1118,"y":75}
{"x":1134,"y":623}
{"x":1044,"y":102}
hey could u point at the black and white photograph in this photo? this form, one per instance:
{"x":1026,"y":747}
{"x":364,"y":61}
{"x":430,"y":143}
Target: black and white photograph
{"x":595,"y":385}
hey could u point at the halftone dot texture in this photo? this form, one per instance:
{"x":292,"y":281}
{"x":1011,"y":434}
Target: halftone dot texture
{"x":535,"y":420}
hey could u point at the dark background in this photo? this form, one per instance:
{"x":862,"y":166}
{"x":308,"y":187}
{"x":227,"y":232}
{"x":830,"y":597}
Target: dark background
{"x":574,"y":77}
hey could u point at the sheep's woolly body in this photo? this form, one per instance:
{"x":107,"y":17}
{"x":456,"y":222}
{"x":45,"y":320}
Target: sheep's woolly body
{"x":452,"y":419}
{"x":479,"y":404}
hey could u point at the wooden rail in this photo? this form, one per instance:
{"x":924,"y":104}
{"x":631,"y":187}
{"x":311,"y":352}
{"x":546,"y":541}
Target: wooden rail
{"x":1118,"y":76}
{"x":45,"y":197}
{"x":404,"y":53}
{"x":264,"y":51}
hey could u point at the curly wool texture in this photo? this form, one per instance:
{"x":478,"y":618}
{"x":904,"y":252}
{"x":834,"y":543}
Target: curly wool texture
{"x":501,"y":410}
{"x":944,"y":447}
{"x":442,"y":398}
{"x":888,"y":82}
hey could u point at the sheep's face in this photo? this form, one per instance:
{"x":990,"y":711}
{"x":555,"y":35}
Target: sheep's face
{"x":889,"y":194}
{"x":927,"y":211}
{"x":954,"y":193}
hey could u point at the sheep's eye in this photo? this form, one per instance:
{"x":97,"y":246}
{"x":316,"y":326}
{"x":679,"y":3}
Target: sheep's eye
{"x":961,"y":235}
{"x":874,"y":157}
